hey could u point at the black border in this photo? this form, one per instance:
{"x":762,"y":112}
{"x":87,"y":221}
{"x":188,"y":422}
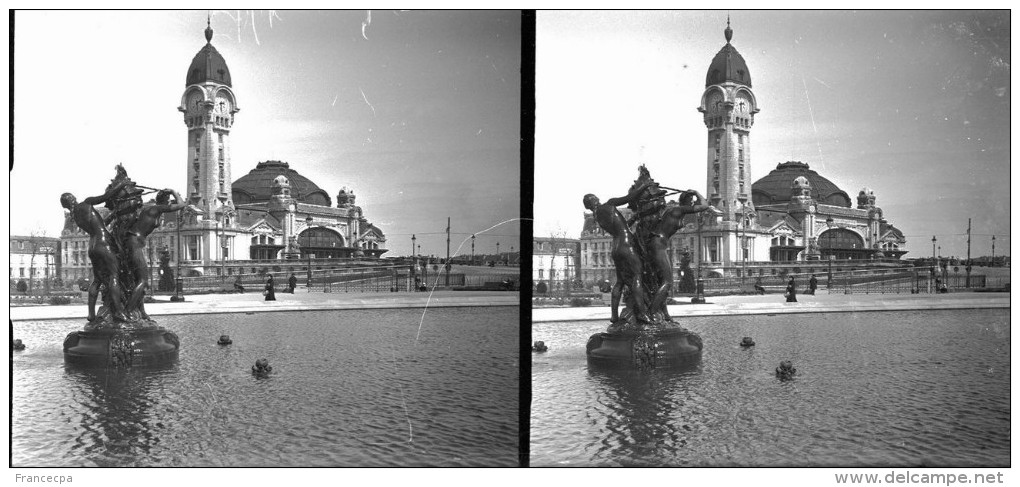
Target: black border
{"x":527,"y":227}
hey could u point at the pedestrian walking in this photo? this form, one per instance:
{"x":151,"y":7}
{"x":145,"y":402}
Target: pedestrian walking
{"x":270,"y":292}
{"x":791,"y":291}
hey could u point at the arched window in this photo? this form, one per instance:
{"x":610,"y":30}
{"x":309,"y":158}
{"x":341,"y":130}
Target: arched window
{"x":843,"y":244}
{"x":840,"y":238}
{"x":322,"y":242}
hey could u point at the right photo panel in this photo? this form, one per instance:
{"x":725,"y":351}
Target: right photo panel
{"x":773,"y":239}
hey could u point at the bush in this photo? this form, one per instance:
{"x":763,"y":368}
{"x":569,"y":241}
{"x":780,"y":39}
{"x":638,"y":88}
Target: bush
{"x":580,"y":302}
{"x":59,"y":300}
{"x":22,"y":286}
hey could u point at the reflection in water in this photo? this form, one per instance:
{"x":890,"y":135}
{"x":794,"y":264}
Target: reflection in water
{"x":640,"y":411}
{"x":117,"y":422}
{"x":872,"y":389}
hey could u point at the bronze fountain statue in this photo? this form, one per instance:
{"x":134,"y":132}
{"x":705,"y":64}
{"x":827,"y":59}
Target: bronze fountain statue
{"x":120,"y":332}
{"x":644,"y":334}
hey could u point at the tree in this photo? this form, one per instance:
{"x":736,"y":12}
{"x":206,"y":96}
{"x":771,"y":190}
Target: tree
{"x":557,"y":241}
{"x":38,"y":243}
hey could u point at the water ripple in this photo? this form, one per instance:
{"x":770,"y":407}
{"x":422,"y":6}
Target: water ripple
{"x":873,"y":389}
{"x":336,"y":397}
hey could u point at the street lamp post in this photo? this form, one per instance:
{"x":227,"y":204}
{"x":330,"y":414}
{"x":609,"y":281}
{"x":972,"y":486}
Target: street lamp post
{"x":46,"y":272}
{"x":414,"y":263}
{"x":699,"y":290}
{"x":828,"y":224}
{"x":308,"y":220}
{"x":473,"y":249}
{"x":223,"y":243}
{"x":178,"y":279}
{"x":743,"y":246}
{"x":934,"y":263}
{"x":497,"y":251}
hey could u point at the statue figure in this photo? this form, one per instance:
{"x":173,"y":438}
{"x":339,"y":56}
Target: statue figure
{"x":625,"y":255}
{"x":120,"y":334}
{"x":641,"y":245}
{"x":657,"y":248}
{"x":117,"y":244}
{"x":687,"y":283}
{"x":105,"y":268}
{"x":646,"y":199}
{"x":644,"y":335}
{"x":166,"y":274}
{"x":124,"y":202}
{"x":134,"y":245}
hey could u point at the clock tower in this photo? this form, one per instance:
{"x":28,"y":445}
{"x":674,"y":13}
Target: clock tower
{"x":209,"y":106}
{"x":729,"y":106}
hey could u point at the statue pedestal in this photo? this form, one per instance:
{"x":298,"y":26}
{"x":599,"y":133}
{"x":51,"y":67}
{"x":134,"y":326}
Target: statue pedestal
{"x":116,"y":347}
{"x":656,"y":347}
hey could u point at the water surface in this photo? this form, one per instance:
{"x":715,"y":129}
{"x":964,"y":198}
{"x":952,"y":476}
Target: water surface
{"x":872,"y":389}
{"x":349,"y":388}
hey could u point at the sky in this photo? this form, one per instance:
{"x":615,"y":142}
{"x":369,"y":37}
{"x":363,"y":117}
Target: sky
{"x":914,"y":105}
{"x":417,"y":112}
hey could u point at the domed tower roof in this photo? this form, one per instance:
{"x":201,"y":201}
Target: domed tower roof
{"x":208,"y":64}
{"x":728,"y":64}
{"x":257,"y":185}
{"x":774,"y":188}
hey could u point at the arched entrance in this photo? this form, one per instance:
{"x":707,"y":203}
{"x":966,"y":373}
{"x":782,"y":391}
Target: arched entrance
{"x":842,"y":243}
{"x":323,"y":243}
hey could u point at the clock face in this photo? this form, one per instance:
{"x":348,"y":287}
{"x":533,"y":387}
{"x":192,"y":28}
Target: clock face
{"x":714,"y":102}
{"x":194,"y":101}
{"x":743,"y":105}
{"x":223,"y":105}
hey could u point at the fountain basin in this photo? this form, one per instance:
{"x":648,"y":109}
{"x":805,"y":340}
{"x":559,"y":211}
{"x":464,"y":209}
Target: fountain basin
{"x":115,"y":347}
{"x":653,"y":348}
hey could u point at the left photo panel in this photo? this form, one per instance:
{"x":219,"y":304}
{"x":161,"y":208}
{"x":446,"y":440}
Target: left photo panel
{"x":266,"y":239}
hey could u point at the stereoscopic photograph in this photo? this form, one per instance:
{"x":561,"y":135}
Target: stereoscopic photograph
{"x":772,"y":239}
{"x":265,"y":239}
{"x":346,"y":238}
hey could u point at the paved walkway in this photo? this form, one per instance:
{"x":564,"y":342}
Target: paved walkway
{"x":716,"y":306}
{"x":776,"y":304}
{"x":300,"y":301}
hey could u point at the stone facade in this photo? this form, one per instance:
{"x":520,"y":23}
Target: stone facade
{"x":792,"y":214}
{"x":34,"y":257}
{"x":555,"y":262}
{"x":272,"y":213}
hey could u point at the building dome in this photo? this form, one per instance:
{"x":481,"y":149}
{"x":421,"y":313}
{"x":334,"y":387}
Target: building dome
{"x":208,"y":64}
{"x":257,"y":185}
{"x":728,"y":64}
{"x":774,"y":188}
